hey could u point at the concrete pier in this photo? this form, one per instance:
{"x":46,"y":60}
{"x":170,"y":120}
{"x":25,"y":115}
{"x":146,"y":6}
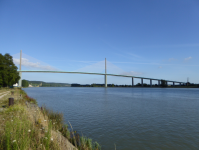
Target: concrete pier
{"x":158,"y":82}
{"x":105,"y":76}
{"x":141,"y":81}
{"x":151,"y":82}
{"x":105,"y":80}
{"x":20,"y":81}
{"x":132,"y":82}
{"x":173,"y":83}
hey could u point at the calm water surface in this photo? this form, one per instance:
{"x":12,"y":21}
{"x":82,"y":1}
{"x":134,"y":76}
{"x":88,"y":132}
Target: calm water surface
{"x":130,"y":118}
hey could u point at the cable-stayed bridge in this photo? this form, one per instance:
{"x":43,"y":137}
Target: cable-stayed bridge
{"x":91,"y":73}
{"x":105,"y":76}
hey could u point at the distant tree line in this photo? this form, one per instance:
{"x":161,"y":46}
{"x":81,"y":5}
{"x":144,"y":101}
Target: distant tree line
{"x":47,"y":84}
{"x":8,"y":71}
{"x":53,"y":85}
{"x":98,"y":85}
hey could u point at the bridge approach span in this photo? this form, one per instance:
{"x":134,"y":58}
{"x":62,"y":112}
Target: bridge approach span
{"x":118,"y":75}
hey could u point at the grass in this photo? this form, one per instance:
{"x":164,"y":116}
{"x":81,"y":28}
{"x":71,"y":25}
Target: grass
{"x":19,"y":132}
{"x":25,"y":126}
{"x":82,"y":143}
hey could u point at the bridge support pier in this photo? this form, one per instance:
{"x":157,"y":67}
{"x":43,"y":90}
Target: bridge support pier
{"x":132,"y":82}
{"x":142,"y":82}
{"x":180,"y":84}
{"x":105,"y":80}
{"x":173,"y":83}
{"x":151,"y":82}
{"x":158,"y":82}
{"x":105,"y":76}
{"x":19,"y":82}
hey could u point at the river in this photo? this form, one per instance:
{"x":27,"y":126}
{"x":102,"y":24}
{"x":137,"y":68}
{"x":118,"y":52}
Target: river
{"x":128,"y":118}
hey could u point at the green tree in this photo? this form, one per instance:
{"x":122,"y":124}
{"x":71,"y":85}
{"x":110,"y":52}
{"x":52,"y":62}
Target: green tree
{"x":25,"y":83}
{"x":1,"y":82}
{"x":8,"y":71}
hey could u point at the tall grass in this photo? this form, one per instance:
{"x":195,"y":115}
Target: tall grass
{"x":20,"y":129}
{"x":82,"y":143}
{"x":21,"y":134}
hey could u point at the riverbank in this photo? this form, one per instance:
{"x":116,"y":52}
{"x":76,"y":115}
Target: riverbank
{"x":26,"y":126}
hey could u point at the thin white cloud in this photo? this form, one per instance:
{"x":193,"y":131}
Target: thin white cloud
{"x":160,"y":67}
{"x":111,"y":69}
{"x":159,"y":64}
{"x":96,"y":67}
{"x":85,"y":61}
{"x":153,"y":64}
{"x":25,"y":62}
{"x":187,"y":59}
{"x":136,"y":63}
{"x":131,"y":56}
{"x":173,"y":46}
{"x":134,"y":55}
{"x":169,"y":60}
{"x":121,"y":55}
{"x":172,"y":59}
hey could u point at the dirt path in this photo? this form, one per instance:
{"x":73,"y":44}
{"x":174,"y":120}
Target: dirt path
{"x":4,"y":94}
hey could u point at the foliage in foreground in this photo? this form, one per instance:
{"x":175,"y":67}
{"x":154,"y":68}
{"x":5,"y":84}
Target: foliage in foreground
{"x":8,"y":71}
{"x":21,"y":131}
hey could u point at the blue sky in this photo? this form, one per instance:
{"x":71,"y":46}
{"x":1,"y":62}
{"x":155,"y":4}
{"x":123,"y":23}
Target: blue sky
{"x":149,"y":38}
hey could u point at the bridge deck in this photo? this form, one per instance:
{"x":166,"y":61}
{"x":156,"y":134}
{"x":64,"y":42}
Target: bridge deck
{"x":97,"y":74}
